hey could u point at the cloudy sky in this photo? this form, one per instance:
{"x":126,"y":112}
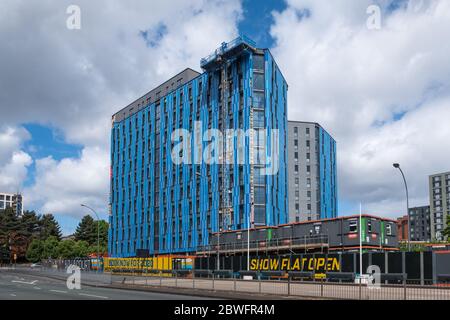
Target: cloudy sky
{"x":383,"y":93}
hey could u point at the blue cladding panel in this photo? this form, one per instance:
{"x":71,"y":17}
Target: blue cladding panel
{"x":167,"y":208}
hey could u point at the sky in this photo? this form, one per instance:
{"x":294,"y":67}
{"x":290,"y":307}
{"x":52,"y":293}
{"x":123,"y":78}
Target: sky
{"x":382,"y":90}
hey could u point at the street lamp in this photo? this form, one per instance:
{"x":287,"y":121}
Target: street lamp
{"x":397,"y":166}
{"x":98,"y":235}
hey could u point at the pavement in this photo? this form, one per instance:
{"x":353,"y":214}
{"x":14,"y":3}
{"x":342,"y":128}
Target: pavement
{"x":17,"y":285}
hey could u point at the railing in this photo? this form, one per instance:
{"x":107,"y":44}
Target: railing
{"x":226,"y":47}
{"x":278,"y":283}
{"x":292,"y":284}
{"x":262,"y":245}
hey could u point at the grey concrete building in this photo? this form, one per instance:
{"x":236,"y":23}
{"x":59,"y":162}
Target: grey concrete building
{"x":439,"y":203}
{"x":312,"y":178}
{"x":420,"y":223}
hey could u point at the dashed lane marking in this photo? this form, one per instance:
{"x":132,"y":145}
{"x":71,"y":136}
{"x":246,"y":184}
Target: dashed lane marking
{"x":58,"y":291}
{"x":93,"y":296}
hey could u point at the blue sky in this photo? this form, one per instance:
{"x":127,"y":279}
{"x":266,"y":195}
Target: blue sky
{"x":375,"y":91}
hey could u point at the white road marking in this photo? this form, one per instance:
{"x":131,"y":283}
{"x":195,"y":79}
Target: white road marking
{"x":58,"y":291}
{"x":13,"y":295}
{"x":93,"y":296}
{"x":24,"y":282}
{"x":37,"y":288}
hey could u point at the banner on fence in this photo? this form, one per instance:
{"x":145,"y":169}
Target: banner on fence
{"x":295,"y":263}
{"x":138,"y":264}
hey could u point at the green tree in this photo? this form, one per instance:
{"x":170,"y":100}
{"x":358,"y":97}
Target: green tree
{"x":49,"y":227}
{"x":66,"y":249}
{"x":50,"y":248}
{"x":31,"y":225}
{"x":86,"y":230}
{"x":81,"y":249}
{"x":104,"y":226}
{"x":446,"y":232}
{"x":35,"y":251}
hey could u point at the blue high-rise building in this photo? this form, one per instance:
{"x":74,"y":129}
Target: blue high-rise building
{"x":200,"y":153}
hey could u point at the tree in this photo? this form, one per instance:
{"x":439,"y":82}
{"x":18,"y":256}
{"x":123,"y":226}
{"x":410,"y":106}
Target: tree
{"x":13,"y":234}
{"x":66,"y":249}
{"x":31,"y":225}
{"x":49,"y":227}
{"x":50,"y":248}
{"x":446,"y":232}
{"x":81,"y":249}
{"x":86,"y":230}
{"x":35,"y":250}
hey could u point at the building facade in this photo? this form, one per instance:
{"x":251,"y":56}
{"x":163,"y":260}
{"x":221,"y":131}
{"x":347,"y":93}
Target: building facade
{"x":200,"y":153}
{"x":8,"y":200}
{"x":420,"y":223}
{"x":312,"y":175}
{"x":402,"y":228}
{"x":439,"y":203}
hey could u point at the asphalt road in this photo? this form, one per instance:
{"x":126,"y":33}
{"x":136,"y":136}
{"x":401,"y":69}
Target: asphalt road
{"x":18,"y":286}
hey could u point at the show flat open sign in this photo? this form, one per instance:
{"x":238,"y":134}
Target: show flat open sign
{"x":295,"y":264}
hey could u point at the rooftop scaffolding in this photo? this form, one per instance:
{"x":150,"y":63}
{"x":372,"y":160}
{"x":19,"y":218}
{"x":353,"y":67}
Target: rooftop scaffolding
{"x":226,"y":50}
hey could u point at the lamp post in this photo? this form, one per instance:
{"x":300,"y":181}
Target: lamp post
{"x":98,"y":235}
{"x":397,"y":166}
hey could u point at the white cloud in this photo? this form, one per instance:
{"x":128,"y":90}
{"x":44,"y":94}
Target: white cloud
{"x":74,"y":80}
{"x":61,"y":186}
{"x":383,"y":94}
{"x":13,"y":161}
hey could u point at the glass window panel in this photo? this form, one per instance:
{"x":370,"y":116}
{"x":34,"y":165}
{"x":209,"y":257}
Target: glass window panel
{"x":260,"y":195}
{"x":258,"y":100}
{"x":260,"y":215}
{"x":258,"y":62}
{"x":258,"y":80}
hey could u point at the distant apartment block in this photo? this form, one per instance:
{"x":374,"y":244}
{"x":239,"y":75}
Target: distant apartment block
{"x":420,"y":223}
{"x":312,"y":177}
{"x":8,"y":200}
{"x":439,"y":203}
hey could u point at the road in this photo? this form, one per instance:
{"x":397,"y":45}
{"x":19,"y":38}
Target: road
{"x":18,"y":286}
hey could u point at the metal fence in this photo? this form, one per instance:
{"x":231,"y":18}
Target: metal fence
{"x":277,"y":285}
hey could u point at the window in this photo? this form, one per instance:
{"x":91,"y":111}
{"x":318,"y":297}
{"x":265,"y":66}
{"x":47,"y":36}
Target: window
{"x":317,"y":229}
{"x":258,"y":177}
{"x":353,"y":226}
{"x":258,"y":62}
{"x":258,"y":81}
{"x":258,"y":100}
{"x":260,"y":215}
{"x":260,"y":195}
{"x":258,"y":119}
